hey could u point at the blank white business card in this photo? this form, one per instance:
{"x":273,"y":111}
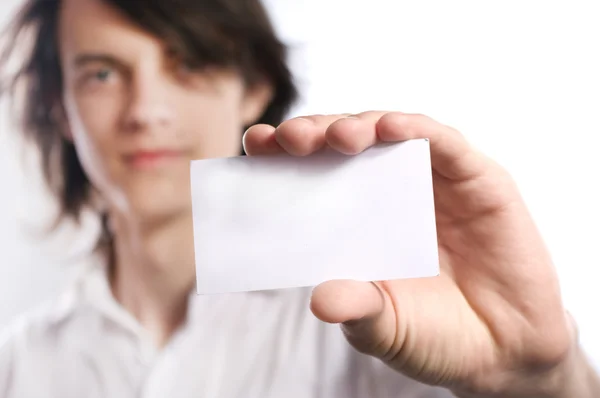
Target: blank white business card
{"x":274,"y":222}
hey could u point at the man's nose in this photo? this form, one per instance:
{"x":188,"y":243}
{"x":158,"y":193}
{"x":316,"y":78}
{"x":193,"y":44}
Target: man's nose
{"x":149,"y":107}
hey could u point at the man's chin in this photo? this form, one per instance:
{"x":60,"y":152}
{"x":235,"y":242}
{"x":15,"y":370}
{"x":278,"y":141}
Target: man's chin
{"x":157,"y":215}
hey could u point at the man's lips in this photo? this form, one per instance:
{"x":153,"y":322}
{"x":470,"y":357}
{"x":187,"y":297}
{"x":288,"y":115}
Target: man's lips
{"x":147,"y":159}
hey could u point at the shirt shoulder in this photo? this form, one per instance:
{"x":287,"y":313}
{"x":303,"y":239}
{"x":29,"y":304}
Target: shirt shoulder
{"x":23,"y":342}
{"x":37,"y":343}
{"x":30,"y":326}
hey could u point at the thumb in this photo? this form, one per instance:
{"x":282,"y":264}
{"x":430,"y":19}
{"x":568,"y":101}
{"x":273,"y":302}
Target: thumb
{"x":365,"y":312}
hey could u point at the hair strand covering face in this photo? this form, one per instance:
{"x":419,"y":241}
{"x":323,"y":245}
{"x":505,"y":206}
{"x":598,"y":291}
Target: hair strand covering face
{"x":211,"y":33}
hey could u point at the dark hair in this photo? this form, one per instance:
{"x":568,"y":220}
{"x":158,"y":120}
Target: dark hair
{"x":232,"y":34}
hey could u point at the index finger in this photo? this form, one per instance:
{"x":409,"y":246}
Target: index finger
{"x":451,"y":154}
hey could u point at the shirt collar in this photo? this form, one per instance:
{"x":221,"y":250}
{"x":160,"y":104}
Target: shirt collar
{"x":90,"y":290}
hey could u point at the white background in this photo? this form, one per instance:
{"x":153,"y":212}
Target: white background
{"x":521,"y":79}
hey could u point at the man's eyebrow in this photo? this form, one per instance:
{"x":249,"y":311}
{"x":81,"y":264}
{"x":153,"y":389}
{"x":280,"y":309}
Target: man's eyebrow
{"x":88,"y":58}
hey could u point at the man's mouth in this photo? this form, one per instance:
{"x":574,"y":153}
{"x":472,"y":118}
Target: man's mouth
{"x":150,"y":159}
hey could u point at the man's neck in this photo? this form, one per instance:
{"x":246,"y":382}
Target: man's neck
{"x":153,"y":272}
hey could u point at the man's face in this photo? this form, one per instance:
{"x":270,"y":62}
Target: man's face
{"x":137,"y":116}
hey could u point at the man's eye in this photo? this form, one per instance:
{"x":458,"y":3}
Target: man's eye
{"x":102,"y":75}
{"x":99,"y":77}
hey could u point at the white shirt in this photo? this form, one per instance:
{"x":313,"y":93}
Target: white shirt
{"x":244,"y":345}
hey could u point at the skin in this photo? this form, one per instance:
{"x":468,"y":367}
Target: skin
{"x":123,"y":94}
{"x":493,"y":323}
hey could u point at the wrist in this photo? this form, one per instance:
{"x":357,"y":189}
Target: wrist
{"x":571,"y":377}
{"x":578,"y":379}
{"x":575,"y":378}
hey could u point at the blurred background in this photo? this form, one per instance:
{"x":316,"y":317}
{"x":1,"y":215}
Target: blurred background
{"x":519,"y":78}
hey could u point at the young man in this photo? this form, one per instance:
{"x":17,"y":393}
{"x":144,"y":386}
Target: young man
{"x":119,"y":96}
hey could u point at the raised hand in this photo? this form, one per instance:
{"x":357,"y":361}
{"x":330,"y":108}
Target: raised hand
{"x":493,"y":321}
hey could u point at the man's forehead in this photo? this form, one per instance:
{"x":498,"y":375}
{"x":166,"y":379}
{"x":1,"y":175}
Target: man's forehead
{"x":90,"y":15}
{"x":86,"y":8}
{"x":92,"y":25}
